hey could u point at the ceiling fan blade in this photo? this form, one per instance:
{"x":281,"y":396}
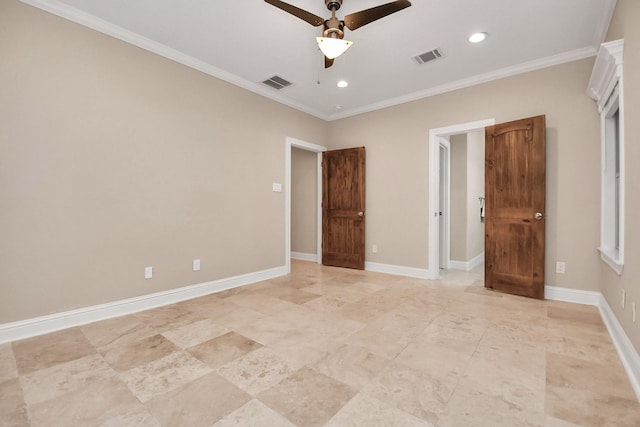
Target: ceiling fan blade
{"x":312,"y":19}
{"x":328,"y":62}
{"x":364,"y":17}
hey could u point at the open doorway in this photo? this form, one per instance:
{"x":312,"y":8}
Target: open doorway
{"x":466,"y":197}
{"x":296,"y":144}
{"x":304,"y":204}
{"x":447,"y":229}
{"x":444,"y":212}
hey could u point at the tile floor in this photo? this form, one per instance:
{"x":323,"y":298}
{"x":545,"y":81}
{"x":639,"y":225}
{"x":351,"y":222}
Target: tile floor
{"x":327,"y":347}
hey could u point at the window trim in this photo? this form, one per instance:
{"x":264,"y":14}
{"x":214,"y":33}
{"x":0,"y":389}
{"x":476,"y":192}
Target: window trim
{"x":606,"y":88}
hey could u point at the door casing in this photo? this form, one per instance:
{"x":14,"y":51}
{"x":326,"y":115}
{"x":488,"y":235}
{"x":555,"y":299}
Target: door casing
{"x":308,"y":146}
{"x":434,"y":184}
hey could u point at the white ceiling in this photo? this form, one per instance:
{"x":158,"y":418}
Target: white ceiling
{"x":247,"y":41}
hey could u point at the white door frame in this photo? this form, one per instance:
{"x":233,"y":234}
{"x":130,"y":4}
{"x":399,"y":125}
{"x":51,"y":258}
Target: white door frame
{"x":290,"y":143}
{"x":434,"y":184}
{"x":444,"y":245}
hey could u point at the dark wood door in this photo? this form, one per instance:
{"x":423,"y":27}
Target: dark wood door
{"x":343,"y":216}
{"x":515,"y":207}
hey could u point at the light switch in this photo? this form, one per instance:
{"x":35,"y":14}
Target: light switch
{"x":148,"y":272}
{"x":277,"y":187}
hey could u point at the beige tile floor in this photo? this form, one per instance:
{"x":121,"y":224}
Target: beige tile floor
{"x":327,"y":347}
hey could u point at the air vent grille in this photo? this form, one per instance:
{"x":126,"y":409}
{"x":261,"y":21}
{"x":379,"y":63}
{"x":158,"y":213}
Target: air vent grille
{"x":277,"y":82}
{"x":429,"y":56}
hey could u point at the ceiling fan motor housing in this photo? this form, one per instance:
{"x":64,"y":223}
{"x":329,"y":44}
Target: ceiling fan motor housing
{"x":333,"y":28}
{"x":333,"y":4}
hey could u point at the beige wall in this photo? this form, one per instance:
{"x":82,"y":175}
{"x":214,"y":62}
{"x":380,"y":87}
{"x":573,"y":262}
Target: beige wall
{"x":113,"y":159}
{"x":458,"y":198}
{"x":396,"y":139}
{"x":625,"y":25}
{"x":475,"y":189}
{"x":304,"y":201}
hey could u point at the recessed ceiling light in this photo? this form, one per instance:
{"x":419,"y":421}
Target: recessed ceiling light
{"x":343,"y":83}
{"x":477,"y":37}
{"x":338,"y":107}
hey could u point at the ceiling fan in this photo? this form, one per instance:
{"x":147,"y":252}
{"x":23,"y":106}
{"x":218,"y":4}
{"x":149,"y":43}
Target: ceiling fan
{"x":333,"y":32}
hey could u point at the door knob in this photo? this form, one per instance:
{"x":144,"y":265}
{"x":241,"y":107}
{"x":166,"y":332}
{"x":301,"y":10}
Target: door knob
{"x":538,"y":216}
{"x":360,"y":213}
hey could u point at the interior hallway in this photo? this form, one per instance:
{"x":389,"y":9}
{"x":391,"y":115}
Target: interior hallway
{"x":327,"y":347}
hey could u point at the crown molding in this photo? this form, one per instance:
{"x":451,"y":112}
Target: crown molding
{"x":82,"y":18}
{"x":62,"y":10}
{"x":502,"y":73}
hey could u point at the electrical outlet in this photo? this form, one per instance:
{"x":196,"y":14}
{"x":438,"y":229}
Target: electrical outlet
{"x":561,"y":267}
{"x":148,"y":272}
{"x":196,"y":265}
{"x":624,"y":297}
{"x":374,"y":249}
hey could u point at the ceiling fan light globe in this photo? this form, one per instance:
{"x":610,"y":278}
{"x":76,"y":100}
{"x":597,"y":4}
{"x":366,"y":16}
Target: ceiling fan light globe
{"x":332,"y":47}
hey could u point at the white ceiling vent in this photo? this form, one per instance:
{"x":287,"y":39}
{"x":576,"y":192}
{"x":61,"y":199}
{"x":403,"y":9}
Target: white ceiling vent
{"x":429,"y":56}
{"x":277,"y":82}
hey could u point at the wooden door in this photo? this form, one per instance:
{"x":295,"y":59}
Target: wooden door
{"x":343,"y":219}
{"x":515,"y":207}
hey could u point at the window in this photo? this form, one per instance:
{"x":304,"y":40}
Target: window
{"x":606,"y":87}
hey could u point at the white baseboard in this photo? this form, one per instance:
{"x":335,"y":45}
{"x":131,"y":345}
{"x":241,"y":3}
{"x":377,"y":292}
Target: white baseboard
{"x":54,"y":322}
{"x":398,"y":270}
{"x":45,"y":324}
{"x":576,"y":296}
{"x":626,"y":351}
{"x":457,"y":265}
{"x":467,"y":265}
{"x":304,"y":257}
